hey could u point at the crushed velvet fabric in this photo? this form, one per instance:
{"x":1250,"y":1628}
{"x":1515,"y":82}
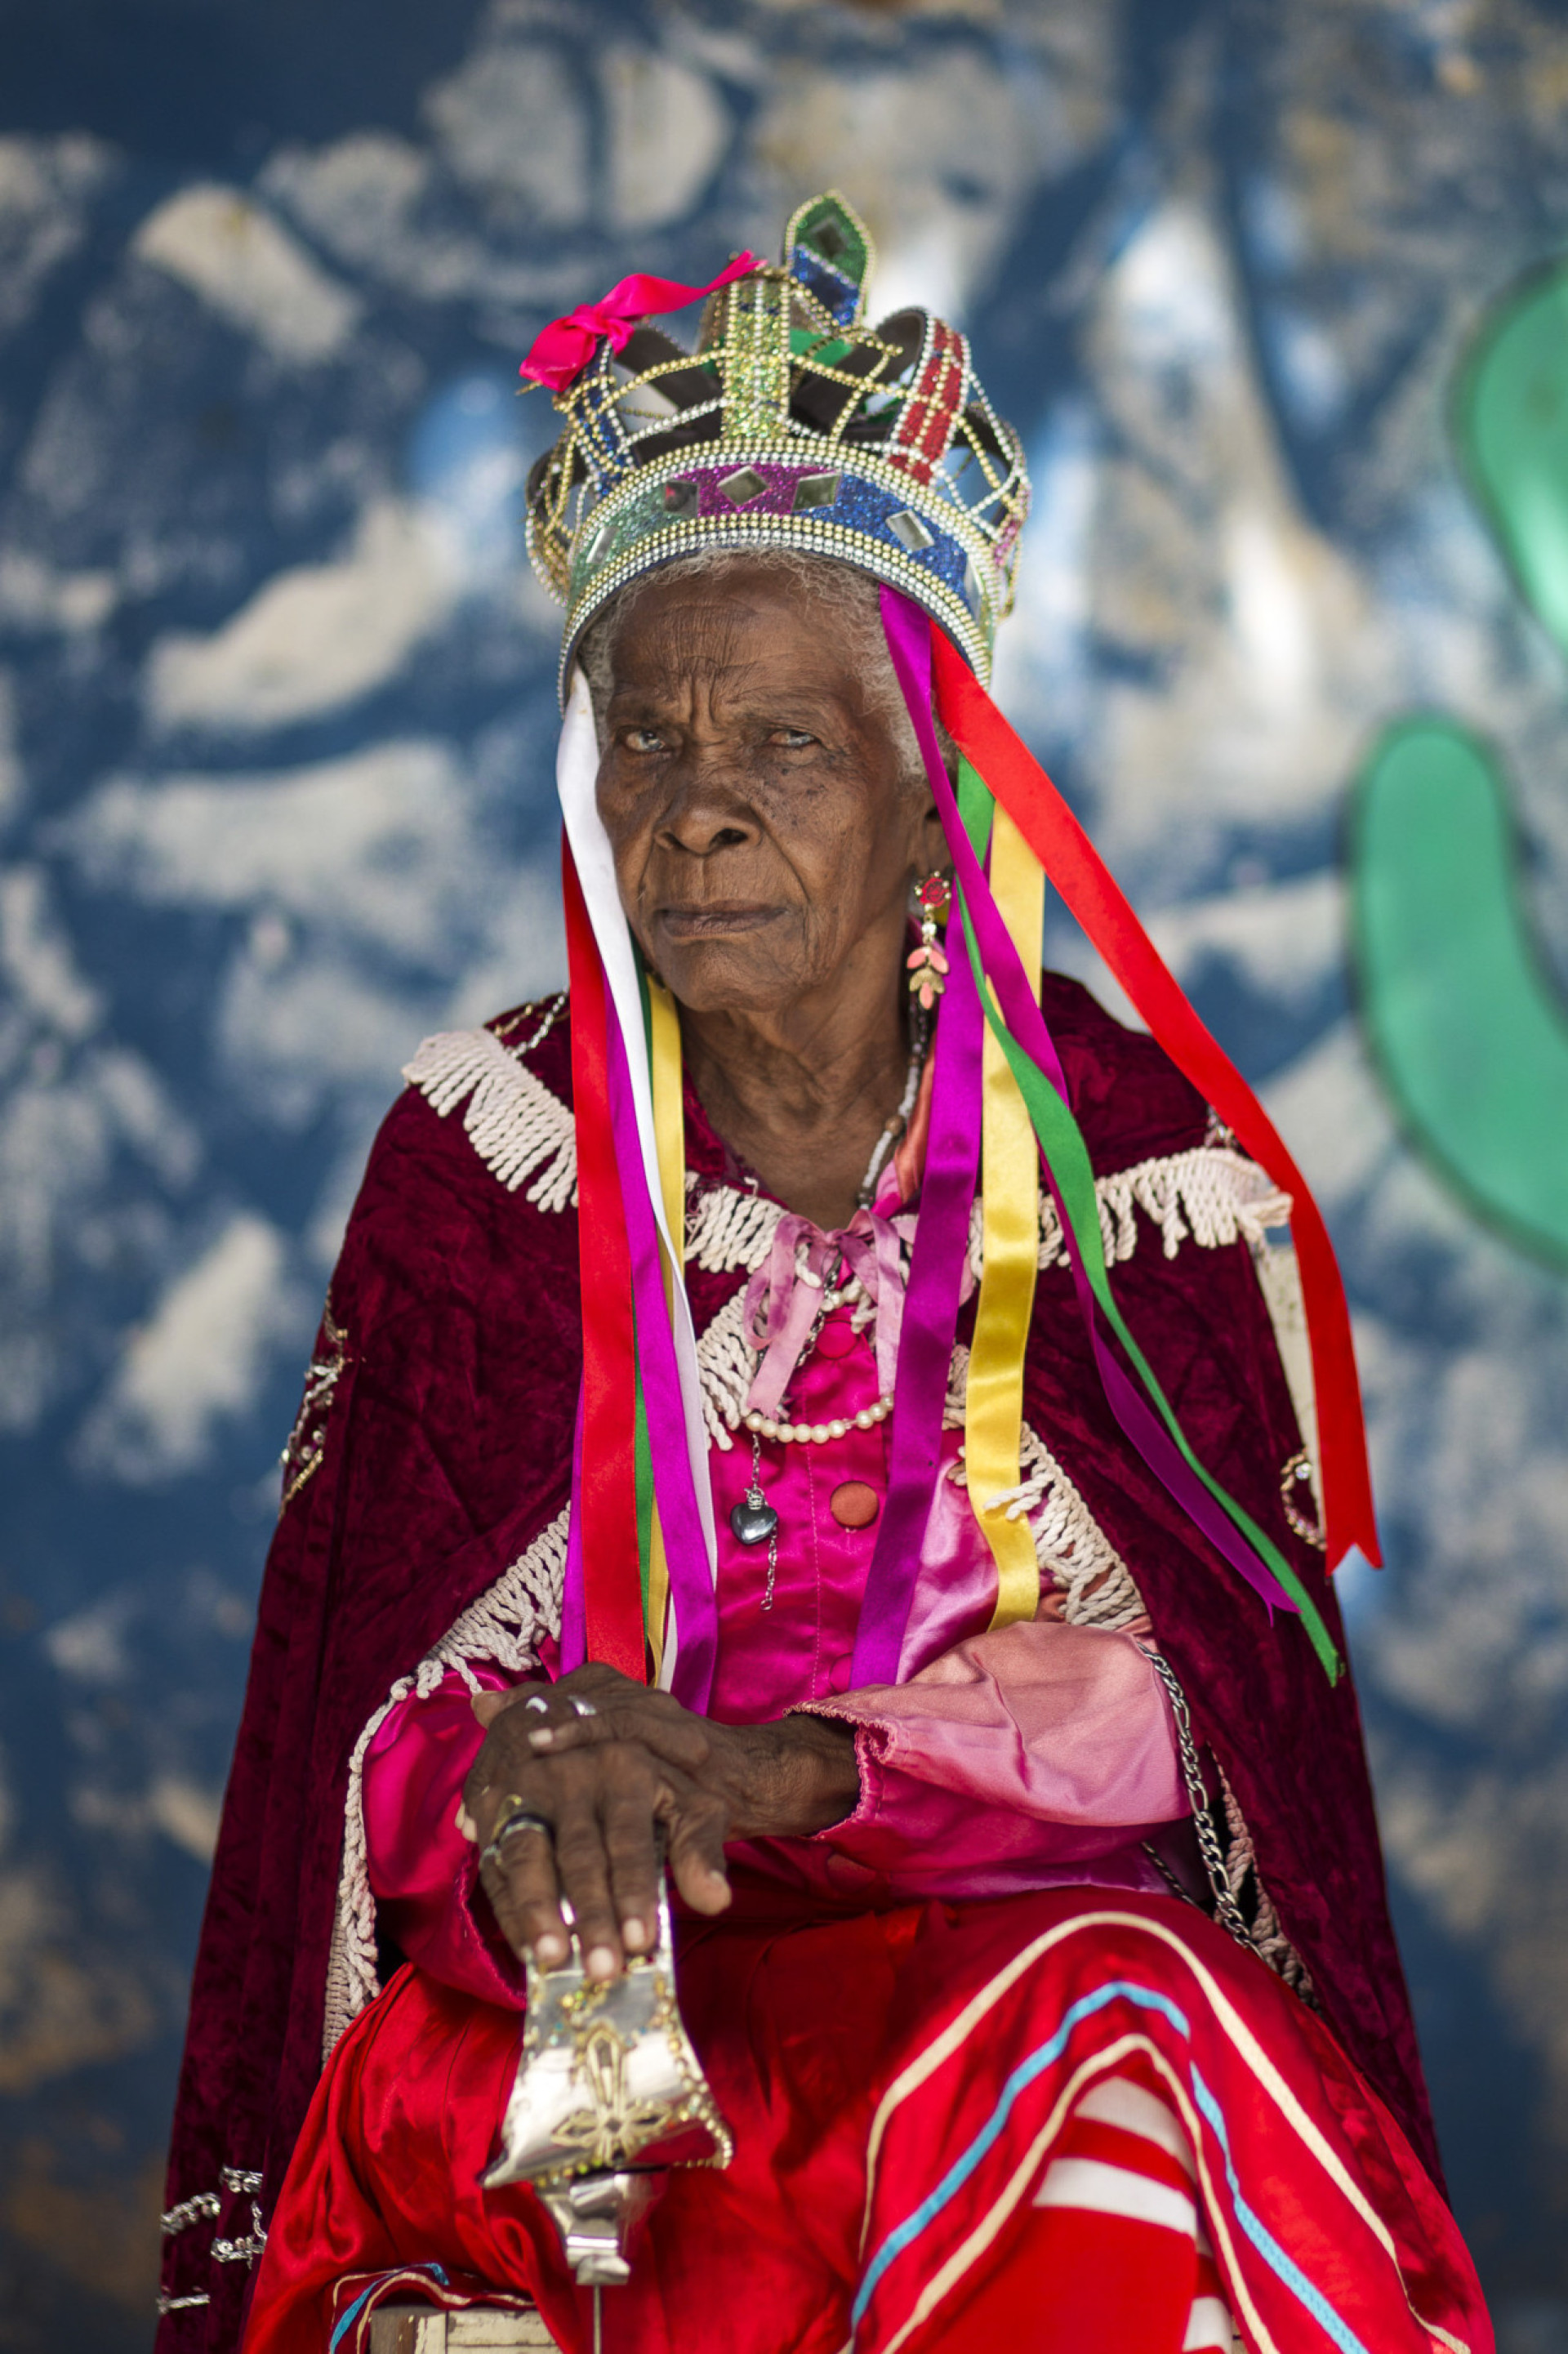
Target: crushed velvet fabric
{"x":447,"y":1447}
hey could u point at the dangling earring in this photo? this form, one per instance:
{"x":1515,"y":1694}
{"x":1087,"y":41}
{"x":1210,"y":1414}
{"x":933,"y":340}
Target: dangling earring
{"x":928,"y":964}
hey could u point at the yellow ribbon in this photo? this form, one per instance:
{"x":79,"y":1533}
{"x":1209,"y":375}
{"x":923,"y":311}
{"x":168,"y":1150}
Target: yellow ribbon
{"x":1010,"y":1178}
{"x":670,"y":1144}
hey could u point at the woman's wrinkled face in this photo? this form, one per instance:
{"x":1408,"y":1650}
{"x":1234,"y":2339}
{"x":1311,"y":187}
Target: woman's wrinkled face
{"x":761,"y":826}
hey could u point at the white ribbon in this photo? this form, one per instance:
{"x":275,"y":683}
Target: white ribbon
{"x":577,"y":772}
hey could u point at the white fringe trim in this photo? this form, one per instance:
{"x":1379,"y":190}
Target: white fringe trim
{"x":1073,"y":1550}
{"x":504,"y":1624}
{"x":1279,"y":1281}
{"x":1211,"y":1195}
{"x":726,"y":1365}
{"x":727,"y":1228}
{"x":516,"y":1125}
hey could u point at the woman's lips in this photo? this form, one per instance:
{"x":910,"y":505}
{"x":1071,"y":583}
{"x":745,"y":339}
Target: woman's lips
{"x":688,"y":923}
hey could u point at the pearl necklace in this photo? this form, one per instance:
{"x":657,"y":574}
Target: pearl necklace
{"x":817,"y":1434}
{"x":754,"y":1520}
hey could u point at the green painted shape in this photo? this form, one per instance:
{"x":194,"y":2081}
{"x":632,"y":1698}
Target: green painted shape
{"x":1469,"y":1028}
{"x":1510,"y":420}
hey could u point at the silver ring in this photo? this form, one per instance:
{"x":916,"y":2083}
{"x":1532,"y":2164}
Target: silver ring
{"x":583,"y":1707}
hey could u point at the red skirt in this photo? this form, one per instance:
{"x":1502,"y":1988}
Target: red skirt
{"x":903,"y":2089}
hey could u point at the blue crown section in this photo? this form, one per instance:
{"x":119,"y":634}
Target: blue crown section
{"x":866,"y":506}
{"x":605,"y":445}
{"x":838,"y":295}
{"x":693,"y":509}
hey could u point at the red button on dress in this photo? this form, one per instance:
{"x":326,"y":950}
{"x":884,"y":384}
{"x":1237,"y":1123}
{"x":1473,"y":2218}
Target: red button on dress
{"x":854,"y":1504}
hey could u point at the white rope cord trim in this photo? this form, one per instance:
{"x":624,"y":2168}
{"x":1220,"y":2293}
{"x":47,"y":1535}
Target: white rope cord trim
{"x":504,"y":1624}
{"x":1266,"y":1932}
{"x":1211,"y":1195}
{"x":727,"y":1228}
{"x":726,"y":1362}
{"x":1073,"y":1550}
{"x":516,"y":1125}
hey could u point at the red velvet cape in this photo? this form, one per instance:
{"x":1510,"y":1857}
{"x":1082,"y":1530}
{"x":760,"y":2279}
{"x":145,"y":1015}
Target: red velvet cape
{"x":447,"y":1447}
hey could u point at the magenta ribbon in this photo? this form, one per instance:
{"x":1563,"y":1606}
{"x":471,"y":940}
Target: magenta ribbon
{"x":561,"y":351}
{"x":686,"y":1547}
{"x":926,"y":1340}
{"x":910,"y":643}
{"x":573,"y":1591}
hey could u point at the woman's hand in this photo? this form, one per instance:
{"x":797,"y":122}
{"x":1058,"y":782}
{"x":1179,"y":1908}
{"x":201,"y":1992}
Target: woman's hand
{"x":608,"y":1779}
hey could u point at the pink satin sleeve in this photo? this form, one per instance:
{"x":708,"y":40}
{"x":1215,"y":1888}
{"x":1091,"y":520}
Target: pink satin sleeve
{"x":1015,"y":1755}
{"x":423,"y":1872}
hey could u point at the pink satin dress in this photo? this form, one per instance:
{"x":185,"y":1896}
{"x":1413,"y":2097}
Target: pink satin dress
{"x":1038,"y":1755}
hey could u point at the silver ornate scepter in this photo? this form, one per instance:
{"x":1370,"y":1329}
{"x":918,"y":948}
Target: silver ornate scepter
{"x":609,"y":2094}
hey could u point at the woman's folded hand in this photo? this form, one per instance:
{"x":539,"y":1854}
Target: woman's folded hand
{"x":593,"y":1771}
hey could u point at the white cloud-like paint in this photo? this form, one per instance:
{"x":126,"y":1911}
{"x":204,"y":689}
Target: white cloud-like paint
{"x":1327,"y":1106}
{"x":376,"y":845}
{"x":45,"y":188}
{"x":1284,"y":938}
{"x":314,"y":639}
{"x":245,"y":266}
{"x":36,"y":956}
{"x":668,"y":129}
{"x":512,"y":123}
{"x":199,"y":1359}
{"x":34,"y":595}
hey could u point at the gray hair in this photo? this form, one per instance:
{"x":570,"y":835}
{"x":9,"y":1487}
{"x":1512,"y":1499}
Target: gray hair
{"x":849,"y":596}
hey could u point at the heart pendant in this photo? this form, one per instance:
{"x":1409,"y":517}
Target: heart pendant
{"x":754,"y":1523}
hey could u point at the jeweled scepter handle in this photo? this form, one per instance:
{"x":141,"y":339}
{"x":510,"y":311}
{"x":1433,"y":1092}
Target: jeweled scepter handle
{"x":608,"y":2094}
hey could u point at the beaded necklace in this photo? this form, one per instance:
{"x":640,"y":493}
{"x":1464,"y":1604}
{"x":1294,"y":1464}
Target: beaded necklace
{"x":754,"y":1521}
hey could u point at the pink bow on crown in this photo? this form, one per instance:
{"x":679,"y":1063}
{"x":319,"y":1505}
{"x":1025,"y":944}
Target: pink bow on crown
{"x":562,"y":349}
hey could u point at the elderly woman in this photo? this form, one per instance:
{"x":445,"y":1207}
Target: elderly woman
{"x":1030,"y":1919}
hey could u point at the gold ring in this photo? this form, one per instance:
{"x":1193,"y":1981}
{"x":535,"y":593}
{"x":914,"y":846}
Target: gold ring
{"x":513,"y":1816}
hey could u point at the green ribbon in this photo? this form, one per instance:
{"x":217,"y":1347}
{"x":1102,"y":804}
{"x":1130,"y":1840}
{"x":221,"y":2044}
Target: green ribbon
{"x":1067,"y":1158}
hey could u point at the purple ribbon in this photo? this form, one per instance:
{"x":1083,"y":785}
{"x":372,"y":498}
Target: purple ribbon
{"x":685,"y":1548}
{"x":926,"y":1340}
{"x":573,"y":1592}
{"x":910,"y":643}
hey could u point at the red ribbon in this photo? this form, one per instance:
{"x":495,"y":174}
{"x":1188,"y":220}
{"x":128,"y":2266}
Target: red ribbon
{"x":607,"y":1506}
{"x":1077,"y":870}
{"x":562,"y":349}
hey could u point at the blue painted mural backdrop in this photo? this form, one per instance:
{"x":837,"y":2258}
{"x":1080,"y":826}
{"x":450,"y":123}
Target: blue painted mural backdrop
{"x":275,"y":720}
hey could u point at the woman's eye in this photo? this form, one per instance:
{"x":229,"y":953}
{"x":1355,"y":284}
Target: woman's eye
{"x":794,"y":739}
{"x":642,"y":739}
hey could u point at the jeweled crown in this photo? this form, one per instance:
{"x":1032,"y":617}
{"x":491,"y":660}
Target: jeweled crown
{"x":793,"y":424}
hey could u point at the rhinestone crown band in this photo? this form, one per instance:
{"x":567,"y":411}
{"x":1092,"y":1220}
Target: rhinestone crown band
{"x":795,"y":425}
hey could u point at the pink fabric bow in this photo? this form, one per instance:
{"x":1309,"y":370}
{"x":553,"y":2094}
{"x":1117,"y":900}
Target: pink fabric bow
{"x":787,"y":1291}
{"x":561,"y":350}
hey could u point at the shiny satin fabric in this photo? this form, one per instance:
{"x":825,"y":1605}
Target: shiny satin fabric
{"x":892,"y":2079}
{"x":1010,"y":1179}
{"x":445,"y":1455}
{"x":670,"y":1142}
{"x":1002,"y":1760}
{"x":1035,"y":1757}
